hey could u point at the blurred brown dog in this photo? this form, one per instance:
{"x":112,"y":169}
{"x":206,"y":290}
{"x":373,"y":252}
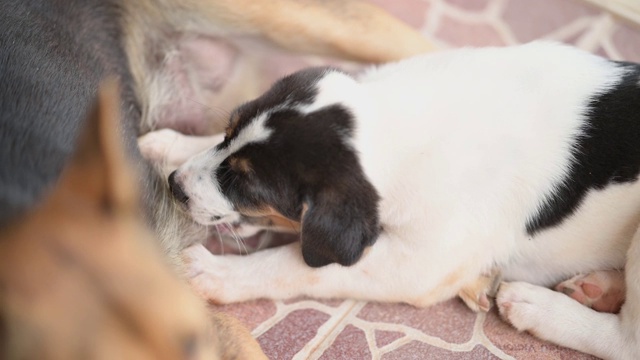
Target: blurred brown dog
{"x":78,"y":279}
{"x":82,"y":278}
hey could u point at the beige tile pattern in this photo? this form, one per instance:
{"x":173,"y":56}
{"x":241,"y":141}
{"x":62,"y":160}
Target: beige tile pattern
{"x":347,"y":329}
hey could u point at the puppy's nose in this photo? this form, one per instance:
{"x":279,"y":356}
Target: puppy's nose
{"x":176,"y":189}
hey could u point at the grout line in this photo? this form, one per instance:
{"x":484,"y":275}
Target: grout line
{"x":495,"y":12}
{"x":396,"y":344}
{"x":412,"y":334}
{"x":601,"y":28}
{"x":432,"y":19}
{"x":483,"y":339}
{"x":270,"y":322}
{"x":467,"y":16}
{"x":282,"y":310}
{"x":328,"y":332}
{"x":504,"y":30}
{"x":370,"y":337}
{"x":577,"y":26}
{"x":610,"y":49}
{"x":626,"y":9}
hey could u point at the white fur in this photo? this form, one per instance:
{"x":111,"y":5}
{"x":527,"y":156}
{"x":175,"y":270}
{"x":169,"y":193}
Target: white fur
{"x":463,"y":146}
{"x":198,"y":175}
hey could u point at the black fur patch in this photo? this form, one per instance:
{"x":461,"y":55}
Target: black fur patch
{"x":306,"y":162}
{"x":292,"y":90}
{"x":53,"y":55}
{"x":607,"y":153}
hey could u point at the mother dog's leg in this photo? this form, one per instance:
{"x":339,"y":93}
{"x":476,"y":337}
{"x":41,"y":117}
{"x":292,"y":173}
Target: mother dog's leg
{"x":349,"y":29}
{"x":558,"y":318}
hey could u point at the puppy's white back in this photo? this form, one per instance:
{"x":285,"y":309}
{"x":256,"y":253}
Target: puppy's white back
{"x":468,"y":145}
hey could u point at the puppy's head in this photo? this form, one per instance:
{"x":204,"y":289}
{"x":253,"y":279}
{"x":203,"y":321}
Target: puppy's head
{"x":290,"y":152}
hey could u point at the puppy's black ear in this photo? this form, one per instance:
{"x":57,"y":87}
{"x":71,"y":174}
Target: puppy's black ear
{"x":339,"y":223}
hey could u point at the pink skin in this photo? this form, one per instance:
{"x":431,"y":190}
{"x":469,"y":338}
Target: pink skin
{"x":602,"y":291}
{"x":234,"y":239}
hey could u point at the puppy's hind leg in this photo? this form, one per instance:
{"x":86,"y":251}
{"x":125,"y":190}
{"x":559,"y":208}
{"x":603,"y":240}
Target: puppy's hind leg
{"x":477,"y":294}
{"x":600,"y":290}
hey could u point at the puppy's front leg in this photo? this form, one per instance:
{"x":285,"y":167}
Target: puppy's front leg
{"x":281,"y":273}
{"x":385,"y":273}
{"x":171,"y":149}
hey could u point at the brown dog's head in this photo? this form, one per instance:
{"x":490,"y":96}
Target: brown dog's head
{"x":290,"y":152}
{"x":80,"y":277}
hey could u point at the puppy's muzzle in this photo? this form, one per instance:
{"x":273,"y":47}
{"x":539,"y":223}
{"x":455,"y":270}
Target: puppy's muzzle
{"x":176,"y":189}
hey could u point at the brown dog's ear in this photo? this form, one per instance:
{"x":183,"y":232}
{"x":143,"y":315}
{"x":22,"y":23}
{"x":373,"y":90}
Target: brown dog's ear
{"x":99,"y":170}
{"x":339,"y":223}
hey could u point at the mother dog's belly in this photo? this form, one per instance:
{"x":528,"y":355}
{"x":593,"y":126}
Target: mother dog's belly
{"x":595,"y":237}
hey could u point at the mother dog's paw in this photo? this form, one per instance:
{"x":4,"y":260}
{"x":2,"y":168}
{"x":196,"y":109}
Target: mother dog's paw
{"x":527,"y":307}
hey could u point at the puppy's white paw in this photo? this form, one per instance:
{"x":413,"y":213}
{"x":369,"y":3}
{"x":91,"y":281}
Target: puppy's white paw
{"x":206,"y":273}
{"x":155,"y":146}
{"x":528,"y":307}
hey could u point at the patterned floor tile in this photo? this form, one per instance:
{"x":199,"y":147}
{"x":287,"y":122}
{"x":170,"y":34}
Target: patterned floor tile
{"x":289,"y":336}
{"x":530,"y":21}
{"x":457,"y":32}
{"x":250,"y":313}
{"x":387,"y":337}
{"x":450,"y":321}
{"x":627,"y":41}
{"x":419,"y":351}
{"x":350,"y":344}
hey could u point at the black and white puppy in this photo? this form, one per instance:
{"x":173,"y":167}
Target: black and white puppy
{"x":523,"y":159}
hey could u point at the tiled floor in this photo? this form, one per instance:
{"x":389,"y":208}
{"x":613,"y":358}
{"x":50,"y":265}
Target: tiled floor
{"x":345,"y":329}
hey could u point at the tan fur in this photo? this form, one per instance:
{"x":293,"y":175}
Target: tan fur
{"x":240,"y":164}
{"x":348,"y":29}
{"x":281,"y":222}
{"x":82,"y":278}
{"x":478,"y":293}
{"x":233,"y":124}
{"x":445,"y":290}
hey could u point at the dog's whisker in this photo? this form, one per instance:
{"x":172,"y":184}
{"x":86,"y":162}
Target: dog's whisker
{"x":237,"y":238}
{"x":220,"y":239}
{"x":216,"y":110}
{"x":293,"y":226}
